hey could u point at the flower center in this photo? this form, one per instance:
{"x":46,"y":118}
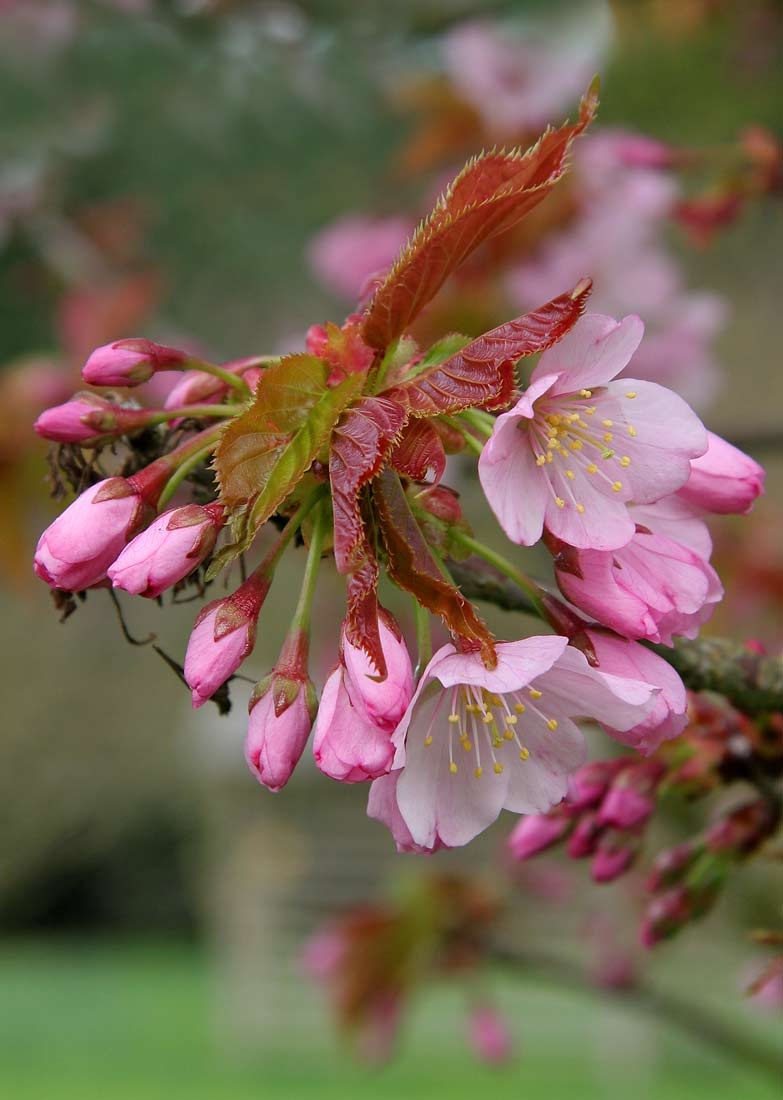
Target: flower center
{"x":566,"y":436}
{"x":486,"y":726}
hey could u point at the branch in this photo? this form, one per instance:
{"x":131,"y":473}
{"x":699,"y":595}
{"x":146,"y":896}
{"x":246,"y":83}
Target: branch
{"x":752,"y":683}
{"x":690,"y":1018}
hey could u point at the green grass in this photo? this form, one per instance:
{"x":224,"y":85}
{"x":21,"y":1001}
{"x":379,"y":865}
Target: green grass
{"x":135,"y":1022}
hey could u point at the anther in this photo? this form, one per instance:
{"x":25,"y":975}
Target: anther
{"x":524,"y":754}
{"x":453,"y":768}
{"x":552,"y":724}
{"x":616,"y":486}
{"x":498,"y":768}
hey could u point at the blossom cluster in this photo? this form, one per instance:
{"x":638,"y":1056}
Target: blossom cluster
{"x":343,"y":447}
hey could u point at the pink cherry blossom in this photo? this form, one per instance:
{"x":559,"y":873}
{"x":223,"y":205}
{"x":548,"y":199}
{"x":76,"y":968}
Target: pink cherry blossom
{"x":347,"y":254}
{"x":621,"y":658}
{"x":489,"y":1035}
{"x":724,"y":479}
{"x":359,"y":712}
{"x":171,"y":547}
{"x":130,"y":362}
{"x":654,"y":587}
{"x":277,"y":735}
{"x":76,"y":550}
{"x":578,"y":447}
{"x":474,"y":741}
{"x":522,"y":78}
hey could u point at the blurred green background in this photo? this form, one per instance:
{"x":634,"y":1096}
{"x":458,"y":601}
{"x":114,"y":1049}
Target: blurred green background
{"x":164,"y":166}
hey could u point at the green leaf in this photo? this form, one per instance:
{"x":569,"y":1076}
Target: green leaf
{"x":267,"y":450}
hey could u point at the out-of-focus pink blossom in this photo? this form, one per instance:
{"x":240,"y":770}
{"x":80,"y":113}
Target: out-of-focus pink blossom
{"x":281,"y":716}
{"x":76,"y":550}
{"x":490,"y":739}
{"x":130,"y":362}
{"x":521,"y":78}
{"x":622,"y":658}
{"x":488,"y":1035}
{"x":168,"y":550}
{"x":724,"y":479}
{"x":349,"y":253}
{"x":579,"y":446}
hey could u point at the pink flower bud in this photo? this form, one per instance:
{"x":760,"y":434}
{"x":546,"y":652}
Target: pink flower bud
{"x":630,"y":800}
{"x":589,"y":784}
{"x":630,"y":660}
{"x":359,"y":711}
{"x":346,"y":254}
{"x":488,"y":1035}
{"x":535,"y":833}
{"x":614,"y":855}
{"x":724,"y":479}
{"x":170,"y":548}
{"x":223,"y":635}
{"x":76,"y":550}
{"x":665,"y":916}
{"x":77,"y":420}
{"x":671,"y":865}
{"x":584,"y":839}
{"x":130,"y":362}
{"x":384,"y":700}
{"x":281,"y":716}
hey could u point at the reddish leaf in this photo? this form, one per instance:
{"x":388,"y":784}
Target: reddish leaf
{"x":419,"y":453}
{"x":492,"y":193}
{"x":411,"y":565}
{"x":360,"y":443}
{"x":264,"y":452}
{"x":482,"y":373}
{"x":361,"y":623}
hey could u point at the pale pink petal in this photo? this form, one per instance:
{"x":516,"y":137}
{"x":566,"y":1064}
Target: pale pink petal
{"x":518,"y":664}
{"x":347,"y":745}
{"x":512,"y":483}
{"x":538,"y":783}
{"x":595,"y":351}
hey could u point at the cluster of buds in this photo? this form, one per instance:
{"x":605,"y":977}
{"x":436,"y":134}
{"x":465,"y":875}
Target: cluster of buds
{"x":341,"y":448}
{"x":610,"y":803}
{"x":375,"y":958}
{"x":686,"y":881}
{"x":602,"y":818}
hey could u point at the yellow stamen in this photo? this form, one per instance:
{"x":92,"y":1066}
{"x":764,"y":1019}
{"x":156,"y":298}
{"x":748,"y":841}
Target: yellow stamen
{"x":625,"y":461}
{"x":631,"y":430}
{"x":524,"y":754}
{"x":428,"y":741}
{"x":616,"y":486}
{"x":535,"y":693}
{"x":478,"y":773}
{"x":552,"y":724}
{"x":498,"y":768}
{"x":453,"y":768}
{"x":560,"y":502}
{"x":631,"y":394}
{"x":580,"y":509}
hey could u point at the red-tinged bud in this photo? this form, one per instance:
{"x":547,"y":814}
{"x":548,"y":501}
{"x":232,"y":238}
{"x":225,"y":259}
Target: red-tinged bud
{"x":175,"y":544}
{"x":590,"y":783}
{"x":76,"y":550}
{"x":704,"y":215}
{"x":723,"y":480}
{"x":130,"y":362}
{"x":631,"y":798}
{"x":584,"y":839}
{"x":489,"y":1036}
{"x":743,"y":831}
{"x":671,"y":866}
{"x":443,"y":503}
{"x":282,"y":711}
{"x":665,"y":916}
{"x":565,"y":621}
{"x":615,"y":853}
{"x":223,"y":636}
{"x":535,"y":833}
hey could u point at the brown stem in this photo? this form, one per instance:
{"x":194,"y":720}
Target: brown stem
{"x":752,"y":683}
{"x":669,"y":1008}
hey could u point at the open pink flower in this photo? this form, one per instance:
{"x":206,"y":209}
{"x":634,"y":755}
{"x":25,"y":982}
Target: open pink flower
{"x":76,"y":550}
{"x":667,"y":718}
{"x":578,"y":447}
{"x":170,"y":548}
{"x":359,"y":712}
{"x":474,"y":741}
{"x":654,"y":587}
